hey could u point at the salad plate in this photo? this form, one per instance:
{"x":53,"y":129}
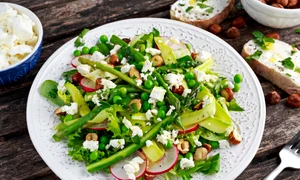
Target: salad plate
{"x":226,"y":62}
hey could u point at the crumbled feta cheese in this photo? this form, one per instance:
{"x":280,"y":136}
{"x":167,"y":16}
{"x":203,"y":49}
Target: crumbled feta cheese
{"x":97,"y":56}
{"x":116,"y":143}
{"x":172,"y":108}
{"x":176,"y":142}
{"x":133,"y":167}
{"x":166,"y":136}
{"x":147,"y":66}
{"x":144,"y":76}
{"x":72,"y":109}
{"x":198,"y":143}
{"x":149,"y":143}
{"x":139,"y":82}
{"x":203,"y":77}
{"x":152,"y":101}
{"x":124,"y":61}
{"x":174,"y":79}
{"x":174,"y":134}
{"x":127,"y":123}
{"x":186,"y":163}
{"x":108,"y":84}
{"x":224,"y":144}
{"x":125,"y":68}
{"x":203,"y":56}
{"x":95,"y":100}
{"x":186,"y":92}
{"x":91,"y":145}
{"x":148,"y":123}
{"x":154,"y":111}
{"x":129,"y":169}
{"x":206,"y":100}
{"x":61,"y":86}
{"x":149,"y":114}
{"x":84,"y":69}
{"x":159,"y":119}
{"x":19,"y":49}
{"x":153,"y":51}
{"x":115,"y":49}
{"x":158,"y":93}
{"x":136,"y":130}
{"x":230,"y":85}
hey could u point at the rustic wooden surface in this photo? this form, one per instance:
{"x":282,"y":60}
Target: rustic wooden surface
{"x":64,"y":19}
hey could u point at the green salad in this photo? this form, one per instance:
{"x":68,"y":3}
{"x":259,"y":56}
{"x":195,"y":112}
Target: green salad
{"x":143,"y":107}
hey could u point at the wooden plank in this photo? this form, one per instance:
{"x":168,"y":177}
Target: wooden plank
{"x":39,"y":4}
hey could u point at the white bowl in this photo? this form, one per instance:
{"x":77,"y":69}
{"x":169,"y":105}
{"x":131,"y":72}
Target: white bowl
{"x":271,"y":16}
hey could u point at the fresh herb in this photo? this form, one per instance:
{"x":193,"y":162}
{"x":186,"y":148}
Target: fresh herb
{"x":293,"y":51}
{"x":239,"y":6}
{"x":66,"y":75}
{"x":288,"y":74}
{"x":255,"y":56}
{"x":288,"y":63}
{"x":202,"y":1}
{"x":78,"y":42}
{"x":49,"y":91}
{"x":83,"y":33}
{"x":181,"y":4}
{"x":210,"y":10}
{"x":297,"y":31}
{"x":189,"y":8}
{"x":204,"y":6}
{"x":233,"y":106}
{"x":261,"y":40}
{"x":297,"y":69}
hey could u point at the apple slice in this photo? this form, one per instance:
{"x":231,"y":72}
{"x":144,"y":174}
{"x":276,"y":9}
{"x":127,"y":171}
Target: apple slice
{"x":87,"y":85}
{"x":118,"y":171}
{"x":165,"y":164}
{"x":189,"y":129}
{"x":75,"y":62}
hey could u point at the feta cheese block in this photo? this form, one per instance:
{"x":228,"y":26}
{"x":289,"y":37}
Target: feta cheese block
{"x":279,"y":64}
{"x":201,"y":13}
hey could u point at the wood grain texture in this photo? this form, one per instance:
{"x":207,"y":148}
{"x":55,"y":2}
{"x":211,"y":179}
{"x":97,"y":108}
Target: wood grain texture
{"x":63,"y":20}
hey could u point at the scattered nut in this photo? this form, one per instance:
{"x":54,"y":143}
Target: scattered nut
{"x":127,"y":40}
{"x":91,"y":137}
{"x":263,"y":1}
{"x":183,"y":146}
{"x":137,"y":102}
{"x":227,"y":93}
{"x":157,"y":60}
{"x":194,"y":55}
{"x":234,"y":137}
{"x":215,"y":29}
{"x":200,"y":154}
{"x":294,"y":100}
{"x":208,"y":147}
{"x":178,"y":90}
{"x":273,"y":35}
{"x":239,"y":22}
{"x":98,"y":84}
{"x":282,"y":2}
{"x":233,"y":33}
{"x":58,"y":111}
{"x":198,"y":106}
{"x":292,"y":3}
{"x":76,"y":78}
{"x":273,"y":98}
{"x":114,"y":59}
{"x":133,"y":72}
{"x":277,"y":5}
{"x":148,"y":176}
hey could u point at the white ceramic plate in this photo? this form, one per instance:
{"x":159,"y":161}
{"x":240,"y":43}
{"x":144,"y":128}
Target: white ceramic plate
{"x":227,"y":62}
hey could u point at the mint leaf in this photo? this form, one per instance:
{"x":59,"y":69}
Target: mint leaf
{"x":288,"y":63}
{"x":261,"y":40}
{"x":255,"y":56}
{"x":189,"y":8}
{"x":297,"y":31}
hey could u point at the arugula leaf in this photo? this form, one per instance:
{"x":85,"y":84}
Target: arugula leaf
{"x":233,"y":106}
{"x":189,"y":8}
{"x":156,"y":33}
{"x":261,"y":40}
{"x":297,"y":31}
{"x":83,"y":33}
{"x":255,"y":56}
{"x":288,"y":63}
{"x":49,"y":90}
{"x":78,"y":42}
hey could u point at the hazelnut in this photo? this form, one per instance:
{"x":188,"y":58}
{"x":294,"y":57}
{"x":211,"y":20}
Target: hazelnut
{"x":114,"y":59}
{"x":282,"y":2}
{"x":178,"y":90}
{"x":134,"y":73}
{"x":194,"y":55}
{"x":137,"y":102}
{"x":183,"y":146}
{"x":227,"y":93}
{"x":200,"y":154}
{"x":157,"y":60}
{"x":59,"y":111}
{"x":215,"y":29}
{"x":233,"y":33}
{"x":268,"y":1}
{"x":98,"y":84}
{"x":91,"y":137}
{"x":263,"y":1}
{"x":234,"y":137}
{"x":208,"y":147}
{"x":294,"y":100}
{"x":127,"y":40}
{"x":292,"y":3}
{"x":76,"y":78}
{"x":198,"y":106}
{"x":239,"y":22}
{"x":277,"y":5}
{"x":273,"y":98}
{"x":273,"y":35}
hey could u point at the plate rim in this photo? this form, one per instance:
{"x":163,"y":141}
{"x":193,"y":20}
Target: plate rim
{"x":258,"y":137}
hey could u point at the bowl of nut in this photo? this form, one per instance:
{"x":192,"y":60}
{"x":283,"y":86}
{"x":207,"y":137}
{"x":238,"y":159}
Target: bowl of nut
{"x":274,"y":13}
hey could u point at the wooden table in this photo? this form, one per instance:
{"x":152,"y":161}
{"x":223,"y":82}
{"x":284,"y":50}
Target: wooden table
{"x":64,"y":19}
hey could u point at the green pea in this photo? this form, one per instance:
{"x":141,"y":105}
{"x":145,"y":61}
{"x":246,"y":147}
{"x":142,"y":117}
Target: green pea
{"x":103,"y":39}
{"x":237,"y":87}
{"x":117,"y":99}
{"x":214,"y":144}
{"x":195,"y":102}
{"x":192,"y":83}
{"x":146,"y":106}
{"x":139,"y":65}
{"x":124,"y":128}
{"x":148,"y":84}
{"x":85,"y":50}
{"x":120,"y":56}
{"x":77,"y":53}
{"x":180,"y":157}
{"x":145,"y":96}
{"x":189,"y":155}
{"x":161,"y":113}
{"x":102,"y":147}
{"x":238,"y":78}
{"x":160,"y":103}
{"x":155,"y":83}
{"x":189,"y":75}
{"x":94,"y":155}
{"x":93,"y":49}
{"x":163,"y":108}
{"x":104,"y":139}
{"x":68,"y":117}
{"x":169,"y":144}
{"x":150,"y":77}
{"x":123,"y":91}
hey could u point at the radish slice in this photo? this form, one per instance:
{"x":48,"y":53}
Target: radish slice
{"x":87,"y":85}
{"x":189,"y":129}
{"x":165,"y":164}
{"x":75,"y":62}
{"x":119,"y":172}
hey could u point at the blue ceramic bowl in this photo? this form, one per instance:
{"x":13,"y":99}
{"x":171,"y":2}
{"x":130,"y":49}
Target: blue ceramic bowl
{"x":16,"y":71}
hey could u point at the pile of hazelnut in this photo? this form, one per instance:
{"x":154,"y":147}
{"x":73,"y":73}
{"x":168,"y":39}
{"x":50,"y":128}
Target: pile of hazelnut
{"x":292,"y":101}
{"x":289,"y":4}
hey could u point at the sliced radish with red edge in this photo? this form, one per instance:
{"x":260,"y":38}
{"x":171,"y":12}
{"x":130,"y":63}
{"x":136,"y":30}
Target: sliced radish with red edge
{"x":165,"y":164}
{"x":189,"y":129}
{"x":87,"y":85}
{"x":75,"y":62}
{"x":118,"y":171}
